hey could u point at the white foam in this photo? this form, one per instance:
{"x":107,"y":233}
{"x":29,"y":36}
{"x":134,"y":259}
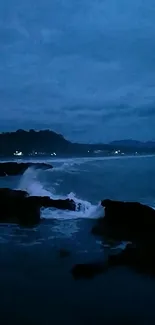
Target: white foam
{"x":76,"y":160}
{"x":92,"y":212}
{"x":30,"y":182}
{"x":68,"y":167}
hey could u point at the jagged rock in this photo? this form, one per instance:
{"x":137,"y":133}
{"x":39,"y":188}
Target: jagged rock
{"x":18,"y":207}
{"x":125,"y":220}
{"x":139,"y":257}
{"x":6,"y":193}
{"x":20,"y":211}
{"x":88,"y":270}
{"x":14,"y":168}
{"x":47,"y":202}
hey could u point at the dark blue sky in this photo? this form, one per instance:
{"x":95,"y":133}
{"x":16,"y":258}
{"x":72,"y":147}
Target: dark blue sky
{"x":83,"y":68}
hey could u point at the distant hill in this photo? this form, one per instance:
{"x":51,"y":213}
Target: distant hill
{"x":48,"y":142}
{"x":32,"y":141}
{"x":133,"y":144}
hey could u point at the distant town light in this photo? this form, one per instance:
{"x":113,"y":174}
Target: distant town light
{"x":18,"y":153}
{"x":117,"y":152}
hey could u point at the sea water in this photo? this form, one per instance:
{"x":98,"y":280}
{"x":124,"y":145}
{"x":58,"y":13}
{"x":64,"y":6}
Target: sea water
{"x":36,"y":283}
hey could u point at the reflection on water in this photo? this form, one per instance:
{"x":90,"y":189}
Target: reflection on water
{"x":48,"y":231}
{"x":51,"y":236}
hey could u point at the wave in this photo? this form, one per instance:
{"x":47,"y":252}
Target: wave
{"x":67,"y":167}
{"x":31,"y":183}
{"x":75,"y":160}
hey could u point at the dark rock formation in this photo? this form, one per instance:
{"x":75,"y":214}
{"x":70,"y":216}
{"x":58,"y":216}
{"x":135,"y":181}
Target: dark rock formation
{"x":134,"y":222}
{"x":14,"y":168}
{"x":17,"y":207}
{"x":125,"y":220}
{"x":133,"y":213}
{"x":47,"y":202}
{"x":140,"y":257}
{"x":88,"y":270}
{"x":7,"y":193}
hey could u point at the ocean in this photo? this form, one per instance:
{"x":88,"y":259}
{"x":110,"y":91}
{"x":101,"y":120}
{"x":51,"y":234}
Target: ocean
{"x":36,"y":283}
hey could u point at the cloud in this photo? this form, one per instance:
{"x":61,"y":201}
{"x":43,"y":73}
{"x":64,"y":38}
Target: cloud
{"x":84,"y":68}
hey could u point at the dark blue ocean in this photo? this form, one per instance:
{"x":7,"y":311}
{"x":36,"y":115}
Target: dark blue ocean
{"x":36,"y":285}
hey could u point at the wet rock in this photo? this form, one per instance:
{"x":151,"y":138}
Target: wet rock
{"x":47,"y":202}
{"x":134,"y":222}
{"x":18,"y":207}
{"x":20,"y":210}
{"x":14,"y":168}
{"x":88,"y":270}
{"x":139,"y":257}
{"x":6,"y":193}
{"x":125,"y":220}
{"x":132,"y":213}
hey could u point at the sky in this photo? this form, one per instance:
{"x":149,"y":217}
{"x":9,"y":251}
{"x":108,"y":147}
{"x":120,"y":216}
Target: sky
{"x":83,"y":68}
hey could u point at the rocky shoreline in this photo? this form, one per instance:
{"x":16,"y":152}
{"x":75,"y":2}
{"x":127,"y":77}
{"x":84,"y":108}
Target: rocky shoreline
{"x":18,"y":207}
{"x":131,"y":222}
{"x":14,"y":168}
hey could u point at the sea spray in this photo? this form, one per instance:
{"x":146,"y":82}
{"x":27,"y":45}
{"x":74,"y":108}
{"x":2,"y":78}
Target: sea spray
{"x":31,"y":183}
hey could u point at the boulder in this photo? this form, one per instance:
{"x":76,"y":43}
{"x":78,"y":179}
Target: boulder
{"x":6,"y":193}
{"x":47,"y":202}
{"x":88,"y":270}
{"x":140,"y":257}
{"x":15,"y":207}
{"x":125,"y":220}
{"x":18,"y":207}
{"x":129,"y":212}
{"x":14,"y":168}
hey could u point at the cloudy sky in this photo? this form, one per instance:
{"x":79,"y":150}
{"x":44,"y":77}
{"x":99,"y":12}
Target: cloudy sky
{"x":84,"y":68}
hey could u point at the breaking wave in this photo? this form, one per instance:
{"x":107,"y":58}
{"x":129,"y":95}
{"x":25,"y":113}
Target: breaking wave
{"x":31,"y":183}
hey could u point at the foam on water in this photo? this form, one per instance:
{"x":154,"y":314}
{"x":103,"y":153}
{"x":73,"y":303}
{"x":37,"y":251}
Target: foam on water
{"x":31,"y":183}
{"x":76,"y":160}
{"x":67,"y":167}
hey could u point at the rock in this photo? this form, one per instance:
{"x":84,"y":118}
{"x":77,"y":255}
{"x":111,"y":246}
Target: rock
{"x":125,"y":220}
{"x":17,"y":207}
{"x":134,"y":222}
{"x":88,"y":270}
{"x":14,"y":168}
{"x":63,"y":204}
{"x":47,"y":202}
{"x":140,"y":257}
{"x":131,"y":213}
{"x":6,"y":193}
